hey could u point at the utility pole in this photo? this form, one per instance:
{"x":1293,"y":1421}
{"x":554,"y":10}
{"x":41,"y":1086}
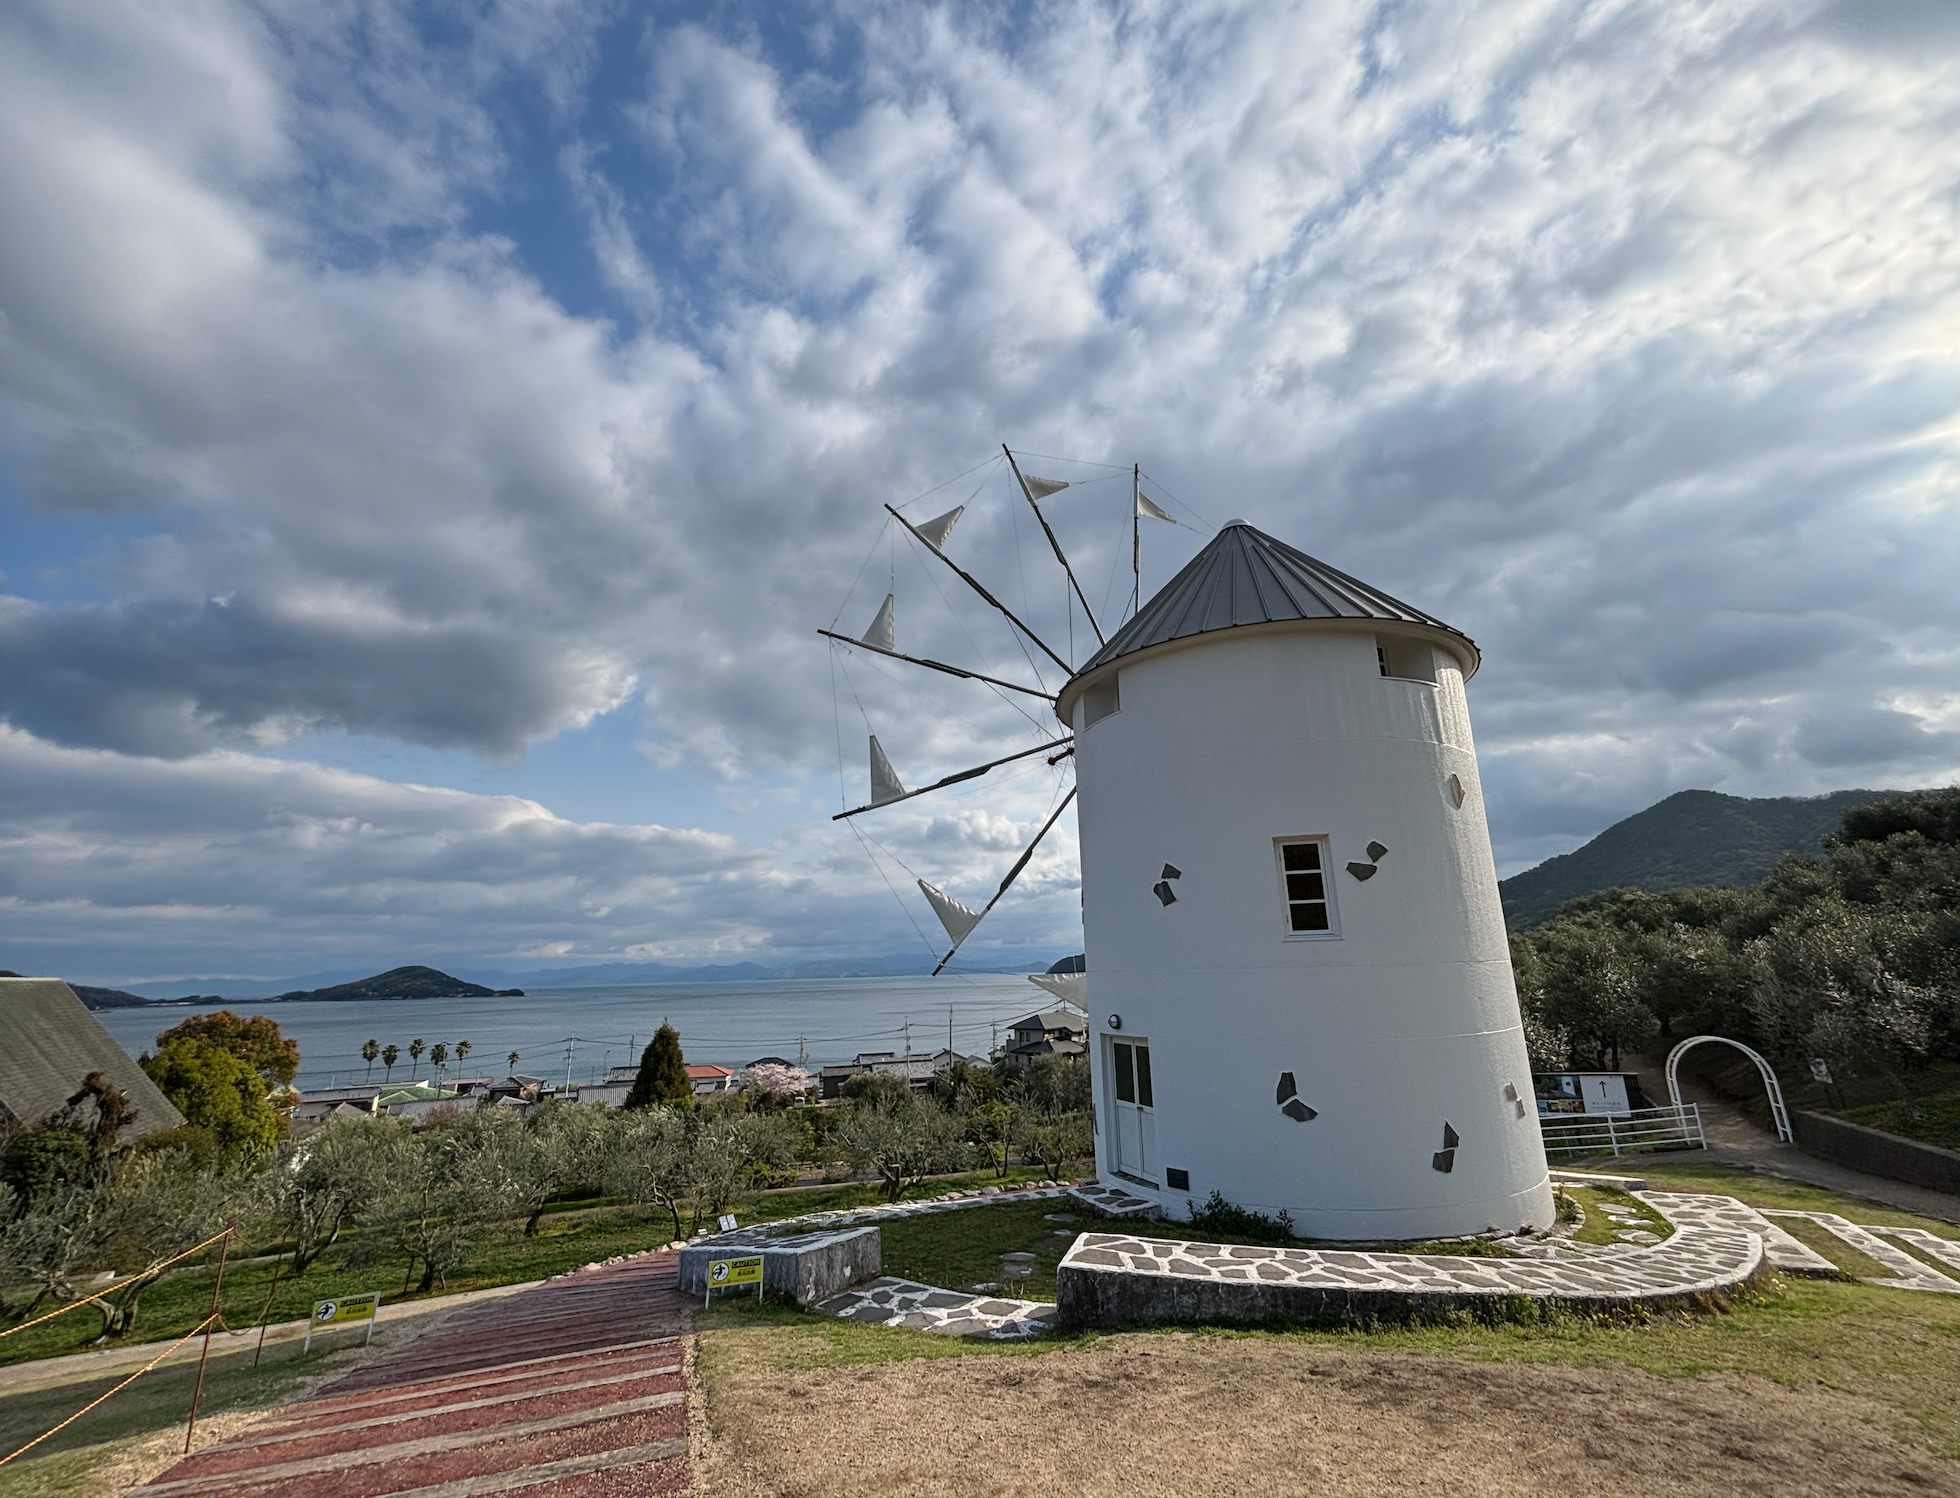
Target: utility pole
{"x":908,"y":1037}
{"x":949,"y":1033}
{"x":802,"y":1053}
{"x":571,"y":1050}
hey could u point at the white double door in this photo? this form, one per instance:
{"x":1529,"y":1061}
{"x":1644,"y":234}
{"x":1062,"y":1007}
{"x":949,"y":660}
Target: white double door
{"x":1133,"y":1111}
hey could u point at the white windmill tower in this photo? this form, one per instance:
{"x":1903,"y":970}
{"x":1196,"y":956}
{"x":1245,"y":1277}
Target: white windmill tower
{"x":1302,"y":991}
{"x":1299,"y":985}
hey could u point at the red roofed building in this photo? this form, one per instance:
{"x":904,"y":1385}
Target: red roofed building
{"x":707,"y":1079}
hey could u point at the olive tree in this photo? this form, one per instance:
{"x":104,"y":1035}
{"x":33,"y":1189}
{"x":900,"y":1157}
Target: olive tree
{"x":902,"y":1141}
{"x":319,"y":1185}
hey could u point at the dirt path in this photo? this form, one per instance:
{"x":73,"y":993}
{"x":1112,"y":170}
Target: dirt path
{"x":1188,"y":1417}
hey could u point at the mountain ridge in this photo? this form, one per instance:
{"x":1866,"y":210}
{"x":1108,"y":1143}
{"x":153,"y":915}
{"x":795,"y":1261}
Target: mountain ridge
{"x":1690,"y":837}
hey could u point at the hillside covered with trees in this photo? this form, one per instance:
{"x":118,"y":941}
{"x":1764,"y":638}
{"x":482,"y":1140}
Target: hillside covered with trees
{"x":1852,"y":957}
{"x":1691,"y":838}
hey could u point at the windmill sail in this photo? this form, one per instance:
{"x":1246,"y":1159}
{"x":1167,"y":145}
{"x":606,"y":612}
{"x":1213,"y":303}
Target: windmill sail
{"x":1148,"y":511}
{"x":885,"y":784}
{"x":935,"y":532}
{"x":883,"y":634}
{"x":955,"y":917}
{"x":1041,"y":488}
{"x":1070,"y":988}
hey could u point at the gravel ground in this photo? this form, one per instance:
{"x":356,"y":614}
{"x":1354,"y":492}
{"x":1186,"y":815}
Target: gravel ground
{"x":1191,"y":1416}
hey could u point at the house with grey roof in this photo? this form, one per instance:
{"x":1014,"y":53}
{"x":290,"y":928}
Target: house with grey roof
{"x":53,"y":1042}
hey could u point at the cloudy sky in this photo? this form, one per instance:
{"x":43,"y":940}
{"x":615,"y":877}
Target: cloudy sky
{"x":430,"y":436}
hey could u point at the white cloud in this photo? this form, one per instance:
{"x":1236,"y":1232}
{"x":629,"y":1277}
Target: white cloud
{"x":1620,"y":335}
{"x":231,"y":863}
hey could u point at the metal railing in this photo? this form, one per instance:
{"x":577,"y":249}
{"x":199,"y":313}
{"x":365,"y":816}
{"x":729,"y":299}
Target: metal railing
{"x":1642,"y":1129}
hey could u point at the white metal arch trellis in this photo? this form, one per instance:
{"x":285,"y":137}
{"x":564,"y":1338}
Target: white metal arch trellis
{"x":1776,"y":1109}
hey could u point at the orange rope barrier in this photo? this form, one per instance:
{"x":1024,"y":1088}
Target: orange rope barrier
{"x":75,"y":1305}
{"x":123,"y":1385}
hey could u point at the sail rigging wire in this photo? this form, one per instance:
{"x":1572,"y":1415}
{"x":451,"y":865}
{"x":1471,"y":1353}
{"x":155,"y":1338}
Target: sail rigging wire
{"x":1058,"y":458}
{"x":1020,"y":644}
{"x":974,"y":583}
{"x":932,"y":665}
{"x":1164,"y":489}
{"x":837,"y":720}
{"x":864,"y":839}
{"x":1012,"y":874}
{"x":957,"y":778}
{"x":851,"y":592}
{"x":1060,"y":556}
{"x":988,"y":462}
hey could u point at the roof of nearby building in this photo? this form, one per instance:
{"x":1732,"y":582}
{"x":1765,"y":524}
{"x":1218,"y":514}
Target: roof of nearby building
{"x":1053,"y":1019}
{"x":702,"y":1072}
{"x":1245,"y":576}
{"x":1046,"y":1047}
{"x":360,"y":1092}
{"x":52,"y":1043}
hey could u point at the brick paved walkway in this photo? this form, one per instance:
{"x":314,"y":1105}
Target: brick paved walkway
{"x":575,"y":1386}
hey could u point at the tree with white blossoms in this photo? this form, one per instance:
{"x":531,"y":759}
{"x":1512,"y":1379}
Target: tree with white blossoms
{"x":772,"y":1084}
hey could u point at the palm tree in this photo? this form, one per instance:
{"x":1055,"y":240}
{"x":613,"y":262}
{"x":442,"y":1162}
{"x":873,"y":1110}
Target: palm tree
{"x":368,"y":1053}
{"x":389,"y":1056}
{"x":438,"y":1058}
{"x":463,"y":1049}
{"x":513,"y":1058}
{"x":415,"y":1049}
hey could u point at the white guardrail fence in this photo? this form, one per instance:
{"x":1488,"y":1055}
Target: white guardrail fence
{"x":1644,"y":1128}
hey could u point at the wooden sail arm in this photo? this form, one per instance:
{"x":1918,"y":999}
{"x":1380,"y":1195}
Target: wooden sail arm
{"x":959,"y":671}
{"x":1056,"y":546}
{"x":1012,"y":874}
{"x":974,"y":583}
{"x":974,"y":774}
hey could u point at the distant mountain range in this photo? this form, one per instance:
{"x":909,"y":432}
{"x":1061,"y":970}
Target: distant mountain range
{"x":1693,"y":837}
{"x":429,"y":982}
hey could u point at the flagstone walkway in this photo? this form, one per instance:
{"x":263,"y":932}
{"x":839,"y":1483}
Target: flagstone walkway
{"x":957,"y":1313}
{"x":575,"y":1385}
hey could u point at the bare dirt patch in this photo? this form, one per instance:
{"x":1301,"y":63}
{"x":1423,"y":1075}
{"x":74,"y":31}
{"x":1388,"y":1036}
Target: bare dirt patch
{"x":1192,"y":1415}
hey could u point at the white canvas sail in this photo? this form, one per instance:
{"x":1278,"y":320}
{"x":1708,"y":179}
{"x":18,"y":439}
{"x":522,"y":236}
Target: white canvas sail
{"x":883,"y":634}
{"x":884,"y":779}
{"x":1148,"y":511}
{"x":1041,"y":488}
{"x":935,"y":532}
{"x":955,"y":917}
{"x":1070,"y":988}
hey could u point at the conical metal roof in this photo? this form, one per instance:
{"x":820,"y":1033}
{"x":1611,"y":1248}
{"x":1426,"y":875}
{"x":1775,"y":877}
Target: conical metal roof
{"x":1246,"y":577}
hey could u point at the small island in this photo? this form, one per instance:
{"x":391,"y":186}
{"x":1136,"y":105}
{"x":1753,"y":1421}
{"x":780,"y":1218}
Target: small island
{"x":401,"y":983}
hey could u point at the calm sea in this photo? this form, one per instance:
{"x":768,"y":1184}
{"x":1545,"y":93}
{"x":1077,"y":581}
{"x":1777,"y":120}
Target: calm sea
{"x":585,"y":1030}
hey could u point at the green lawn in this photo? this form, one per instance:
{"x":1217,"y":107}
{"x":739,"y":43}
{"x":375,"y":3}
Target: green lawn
{"x":569,"y":1235}
{"x":1932,"y":1120}
{"x":1899,"y":1348}
{"x":1598,"y":1227}
{"x":959,"y":1250}
{"x":157,"y":1402}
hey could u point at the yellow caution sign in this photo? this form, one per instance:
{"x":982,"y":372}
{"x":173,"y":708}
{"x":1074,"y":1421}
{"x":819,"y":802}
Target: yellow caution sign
{"x":339,"y":1312}
{"x":745,"y":1271}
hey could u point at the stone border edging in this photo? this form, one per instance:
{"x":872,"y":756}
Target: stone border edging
{"x":1111,"y":1279}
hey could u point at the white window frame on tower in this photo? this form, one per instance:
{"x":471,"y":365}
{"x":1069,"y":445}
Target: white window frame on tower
{"x":1320,"y":843}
